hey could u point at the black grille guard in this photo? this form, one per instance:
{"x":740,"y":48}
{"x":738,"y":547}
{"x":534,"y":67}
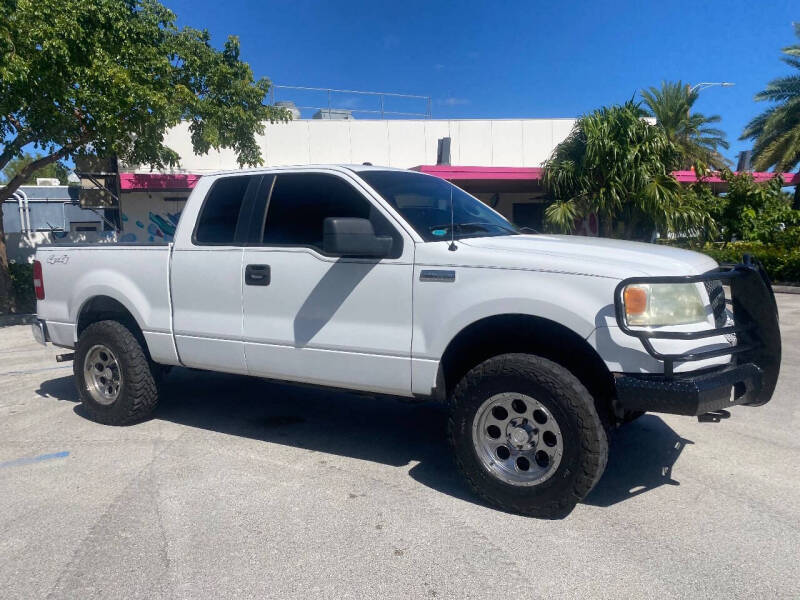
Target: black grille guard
{"x":755,"y":315}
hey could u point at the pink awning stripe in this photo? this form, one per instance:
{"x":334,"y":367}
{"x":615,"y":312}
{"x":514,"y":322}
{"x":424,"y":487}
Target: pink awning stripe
{"x":186,"y":181}
{"x":455,"y":173}
{"x":157,"y":181}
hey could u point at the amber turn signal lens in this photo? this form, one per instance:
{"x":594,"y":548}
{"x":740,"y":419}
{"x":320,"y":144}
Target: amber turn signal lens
{"x":635,"y":300}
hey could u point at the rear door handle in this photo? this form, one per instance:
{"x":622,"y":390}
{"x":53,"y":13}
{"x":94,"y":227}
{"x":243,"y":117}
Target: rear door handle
{"x":257,"y":275}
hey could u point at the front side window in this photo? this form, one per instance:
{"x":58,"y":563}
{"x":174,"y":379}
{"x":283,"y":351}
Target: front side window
{"x":425,"y":202}
{"x":220,"y":213}
{"x":300,"y":203}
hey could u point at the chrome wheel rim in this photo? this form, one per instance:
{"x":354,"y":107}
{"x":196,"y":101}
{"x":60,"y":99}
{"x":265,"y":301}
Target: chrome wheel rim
{"x":517,"y":439}
{"x":102,"y":374}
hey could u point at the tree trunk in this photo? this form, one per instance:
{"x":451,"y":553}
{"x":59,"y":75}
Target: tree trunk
{"x":608,"y":226}
{"x":630,"y":225}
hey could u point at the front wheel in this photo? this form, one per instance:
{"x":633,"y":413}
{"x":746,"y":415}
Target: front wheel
{"x":526,"y":435}
{"x":113,"y":374}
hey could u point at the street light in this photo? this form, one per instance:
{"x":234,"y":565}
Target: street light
{"x":707,"y":84}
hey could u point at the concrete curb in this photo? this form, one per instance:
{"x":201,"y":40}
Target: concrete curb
{"x":786,"y":289}
{"x":21,"y":319}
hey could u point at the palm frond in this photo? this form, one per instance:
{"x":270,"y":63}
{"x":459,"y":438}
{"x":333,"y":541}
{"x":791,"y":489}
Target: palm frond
{"x":671,"y":106}
{"x":776,"y":131}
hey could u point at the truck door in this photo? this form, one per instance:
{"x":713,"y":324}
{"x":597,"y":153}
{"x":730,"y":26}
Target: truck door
{"x":207,"y":278}
{"x":329,"y":320}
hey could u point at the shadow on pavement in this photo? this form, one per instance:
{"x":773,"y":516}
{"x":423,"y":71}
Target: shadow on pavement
{"x":380,"y":430}
{"x":641,"y":457}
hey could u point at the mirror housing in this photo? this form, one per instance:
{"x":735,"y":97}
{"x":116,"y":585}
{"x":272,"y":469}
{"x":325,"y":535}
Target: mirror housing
{"x":348,"y":236}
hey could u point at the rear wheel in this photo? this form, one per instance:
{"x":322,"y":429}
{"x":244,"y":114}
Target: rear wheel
{"x":113,"y":374}
{"x":526,"y":435}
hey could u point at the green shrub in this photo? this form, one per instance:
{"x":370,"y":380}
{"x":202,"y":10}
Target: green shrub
{"x":22,"y":280}
{"x":781,"y":263}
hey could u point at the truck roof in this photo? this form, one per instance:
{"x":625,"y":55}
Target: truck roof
{"x":351,"y":167}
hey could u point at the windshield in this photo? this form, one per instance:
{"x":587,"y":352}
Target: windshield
{"x":424,"y":201}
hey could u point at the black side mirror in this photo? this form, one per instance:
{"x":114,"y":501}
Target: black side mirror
{"x":347,"y":236}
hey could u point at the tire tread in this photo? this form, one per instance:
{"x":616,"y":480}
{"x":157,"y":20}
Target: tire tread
{"x":592,"y":433}
{"x":140,"y":386}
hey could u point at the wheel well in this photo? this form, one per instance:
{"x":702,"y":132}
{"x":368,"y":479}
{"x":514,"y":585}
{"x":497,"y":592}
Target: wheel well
{"x":105,"y":308}
{"x":502,"y":334}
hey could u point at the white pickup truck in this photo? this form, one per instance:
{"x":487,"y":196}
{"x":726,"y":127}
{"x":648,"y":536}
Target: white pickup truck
{"x":398,"y":283}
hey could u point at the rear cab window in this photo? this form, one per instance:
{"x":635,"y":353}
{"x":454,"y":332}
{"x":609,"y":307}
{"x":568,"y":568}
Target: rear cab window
{"x":221,"y":213}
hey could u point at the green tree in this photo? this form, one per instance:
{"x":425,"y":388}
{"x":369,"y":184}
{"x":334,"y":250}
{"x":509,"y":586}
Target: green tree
{"x":776,"y":131}
{"x":55,"y":170}
{"x":617,"y":165}
{"x":698,"y":143}
{"x":109,"y":77}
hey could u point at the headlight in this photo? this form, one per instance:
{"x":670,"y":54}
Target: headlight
{"x":656,"y":304}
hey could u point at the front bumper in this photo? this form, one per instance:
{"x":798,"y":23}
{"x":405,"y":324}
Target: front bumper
{"x":692,"y":395}
{"x":751,"y":376}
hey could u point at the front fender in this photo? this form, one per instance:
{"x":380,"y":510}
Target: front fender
{"x":442,"y":310}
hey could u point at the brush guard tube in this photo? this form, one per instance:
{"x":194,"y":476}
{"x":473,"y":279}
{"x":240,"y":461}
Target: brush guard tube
{"x":751,"y":376}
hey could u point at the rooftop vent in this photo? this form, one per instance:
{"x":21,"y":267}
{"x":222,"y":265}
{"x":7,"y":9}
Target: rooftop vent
{"x":334,"y":114}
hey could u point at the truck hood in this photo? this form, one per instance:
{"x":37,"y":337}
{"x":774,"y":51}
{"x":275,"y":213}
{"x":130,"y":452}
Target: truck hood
{"x":596,"y":256}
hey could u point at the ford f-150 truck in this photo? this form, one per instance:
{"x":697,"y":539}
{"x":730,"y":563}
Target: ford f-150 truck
{"x":398,"y":283}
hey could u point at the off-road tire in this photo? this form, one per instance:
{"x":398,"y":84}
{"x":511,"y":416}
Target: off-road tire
{"x":585,"y":441}
{"x":138,"y":394}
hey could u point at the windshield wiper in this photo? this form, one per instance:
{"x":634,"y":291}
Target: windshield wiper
{"x":470,"y":227}
{"x":473,"y":226}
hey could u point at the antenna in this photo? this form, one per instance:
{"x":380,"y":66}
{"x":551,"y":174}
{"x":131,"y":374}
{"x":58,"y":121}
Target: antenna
{"x":452,"y":247}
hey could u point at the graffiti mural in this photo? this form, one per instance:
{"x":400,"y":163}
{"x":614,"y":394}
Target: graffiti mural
{"x":143,"y":222}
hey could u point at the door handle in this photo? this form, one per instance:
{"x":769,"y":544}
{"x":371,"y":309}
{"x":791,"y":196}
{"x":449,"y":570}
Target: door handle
{"x":257,"y":275}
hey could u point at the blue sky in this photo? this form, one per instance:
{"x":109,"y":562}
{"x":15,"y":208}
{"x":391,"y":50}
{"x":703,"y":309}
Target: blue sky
{"x":506,"y":60}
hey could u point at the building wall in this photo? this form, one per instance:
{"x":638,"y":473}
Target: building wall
{"x":150,"y":216}
{"x":393,"y":143}
{"x":504,"y":202}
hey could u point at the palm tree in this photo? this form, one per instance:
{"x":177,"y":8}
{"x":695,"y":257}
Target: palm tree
{"x":776,"y":131}
{"x":618,"y":166}
{"x":699,"y":144}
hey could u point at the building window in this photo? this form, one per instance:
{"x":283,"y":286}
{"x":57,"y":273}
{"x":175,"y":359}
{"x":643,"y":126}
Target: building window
{"x":83,"y":227}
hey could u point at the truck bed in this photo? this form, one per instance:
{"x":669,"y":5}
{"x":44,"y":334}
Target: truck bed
{"x":135,"y":275}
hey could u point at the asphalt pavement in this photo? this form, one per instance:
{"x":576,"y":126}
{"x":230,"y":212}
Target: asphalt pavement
{"x":249,"y":489}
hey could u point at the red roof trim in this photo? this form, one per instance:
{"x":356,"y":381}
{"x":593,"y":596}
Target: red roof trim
{"x":157,"y":181}
{"x":454,"y":173}
{"x":186,"y":181}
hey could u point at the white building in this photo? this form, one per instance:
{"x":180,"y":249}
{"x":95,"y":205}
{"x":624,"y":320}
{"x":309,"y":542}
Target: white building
{"x":499,"y":160}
